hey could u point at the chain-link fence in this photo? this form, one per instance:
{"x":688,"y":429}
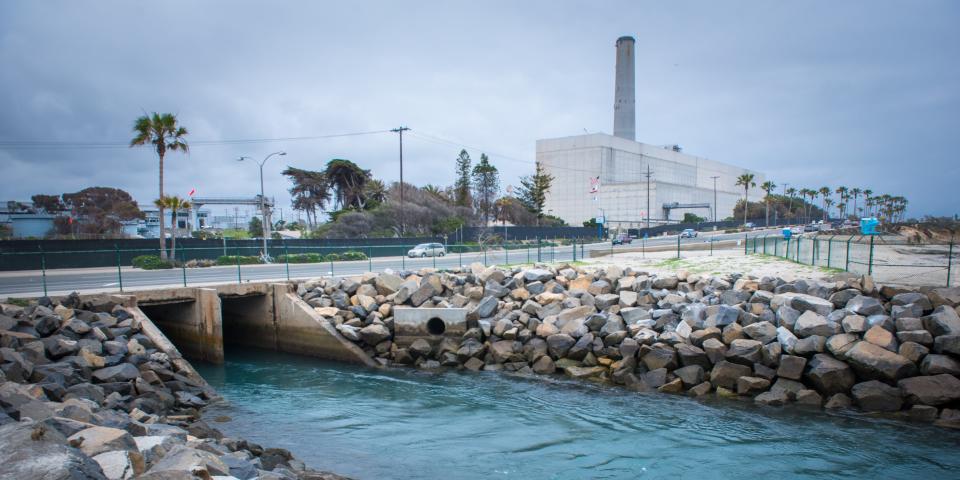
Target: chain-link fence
{"x":192,"y":266}
{"x":889,"y":259}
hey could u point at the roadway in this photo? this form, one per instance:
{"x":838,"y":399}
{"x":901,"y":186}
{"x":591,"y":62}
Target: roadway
{"x":108,"y":279}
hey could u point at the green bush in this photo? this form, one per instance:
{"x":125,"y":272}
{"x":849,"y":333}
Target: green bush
{"x":352,"y":255}
{"x":332,"y":257}
{"x":300,"y":258}
{"x":150,"y":262}
{"x":234,"y":259}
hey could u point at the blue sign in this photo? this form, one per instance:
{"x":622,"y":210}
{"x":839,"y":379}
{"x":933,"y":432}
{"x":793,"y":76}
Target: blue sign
{"x":868,"y":226}
{"x":787,"y":233}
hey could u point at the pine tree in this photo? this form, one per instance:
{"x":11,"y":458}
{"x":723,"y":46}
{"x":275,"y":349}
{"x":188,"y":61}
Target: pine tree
{"x":533,"y":191}
{"x":486,"y":186}
{"x":462,"y":185}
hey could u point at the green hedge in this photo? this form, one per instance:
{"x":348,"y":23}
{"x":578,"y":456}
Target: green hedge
{"x":317,"y":258}
{"x":150,"y":262}
{"x":235,"y":259}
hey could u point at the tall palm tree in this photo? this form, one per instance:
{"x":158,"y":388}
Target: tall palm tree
{"x":842,"y":191}
{"x":746,"y":181}
{"x":855,"y":192}
{"x":827,"y":203}
{"x":867,"y":193}
{"x":164,"y":133}
{"x":768,"y":187}
{"x":813,"y":195}
{"x":791,"y":192}
{"x":374,"y":191}
{"x":825,"y":193}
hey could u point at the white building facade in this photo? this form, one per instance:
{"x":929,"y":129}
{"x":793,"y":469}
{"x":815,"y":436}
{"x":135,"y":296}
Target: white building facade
{"x":621,"y":194}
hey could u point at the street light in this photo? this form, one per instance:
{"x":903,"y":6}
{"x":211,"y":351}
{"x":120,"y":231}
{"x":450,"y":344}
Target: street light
{"x":263,"y":201}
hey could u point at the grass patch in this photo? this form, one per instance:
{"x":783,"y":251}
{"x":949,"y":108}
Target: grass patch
{"x":20,"y":302}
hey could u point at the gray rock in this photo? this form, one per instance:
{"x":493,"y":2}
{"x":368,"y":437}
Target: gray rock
{"x":486,"y":307}
{"x":943,"y":321}
{"x":661,"y":355}
{"x":559,"y":344}
{"x":876,"y":396}
{"x":764,"y":332}
{"x":931,"y":390}
{"x":922,"y":337}
{"x":744,"y":352}
{"x":690,"y":375}
{"x":871,"y":361}
{"x":119,"y":373}
{"x":854,"y":324}
{"x":791,"y":367}
{"x":182,"y":460}
{"x":866,"y":306}
{"x":725,"y":374}
{"x":772,"y":398}
{"x":810,"y":323}
{"x":32,"y":451}
{"x":830,"y":375}
{"x":374,"y":333}
{"x":947,"y":344}
{"x":810,"y":345}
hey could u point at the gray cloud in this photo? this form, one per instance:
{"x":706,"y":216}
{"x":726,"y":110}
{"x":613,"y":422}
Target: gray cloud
{"x":813,"y":93}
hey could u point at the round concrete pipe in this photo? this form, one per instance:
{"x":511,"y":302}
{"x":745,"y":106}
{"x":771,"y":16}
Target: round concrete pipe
{"x":436,"y":326}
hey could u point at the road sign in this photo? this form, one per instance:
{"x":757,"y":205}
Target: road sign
{"x":599,"y":220}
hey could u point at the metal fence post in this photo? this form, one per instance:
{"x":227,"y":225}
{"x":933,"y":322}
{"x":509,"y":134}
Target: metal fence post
{"x":949,"y":262}
{"x":461,"y":255}
{"x":846,"y":266}
{"x":776,"y":245}
{"x":331,"y":263}
{"x":183,"y":267}
{"x":403,"y":257}
{"x":43,"y":270}
{"x":506,"y":254}
{"x":798,"y":249}
{"x":711,"y":246}
{"x":119,"y":273}
{"x":538,"y":249}
{"x":484,"y":255}
{"x":236,"y":251}
{"x":829,"y":250}
{"x":746,"y":241}
{"x":370,"y":259}
{"x":286,"y":259}
{"x":870,"y":262}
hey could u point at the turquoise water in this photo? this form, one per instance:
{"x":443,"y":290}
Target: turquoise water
{"x":404,"y":423}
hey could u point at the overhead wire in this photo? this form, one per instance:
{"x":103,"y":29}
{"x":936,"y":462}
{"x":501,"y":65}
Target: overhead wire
{"x":54,"y":145}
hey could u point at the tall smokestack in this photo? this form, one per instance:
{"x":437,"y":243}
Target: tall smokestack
{"x":624,"y":98}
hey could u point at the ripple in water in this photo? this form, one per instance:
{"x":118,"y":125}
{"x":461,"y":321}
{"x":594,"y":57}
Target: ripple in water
{"x":406,"y":424}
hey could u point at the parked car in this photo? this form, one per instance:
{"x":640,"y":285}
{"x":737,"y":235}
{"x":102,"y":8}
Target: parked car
{"x":427,"y":250}
{"x":811,"y":228}
{"x":688,"y":233}
{"x":748,"y":225}
{"x":622,"y":240}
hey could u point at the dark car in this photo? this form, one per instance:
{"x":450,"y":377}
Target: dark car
{"x":622,"y":240}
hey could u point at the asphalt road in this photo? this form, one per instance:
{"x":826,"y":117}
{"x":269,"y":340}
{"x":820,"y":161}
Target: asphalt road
{"x":108,"y":279}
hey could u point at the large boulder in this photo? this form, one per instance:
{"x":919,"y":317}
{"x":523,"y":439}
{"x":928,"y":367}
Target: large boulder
{"x":830,"y":375}
{"x":866,"y":306}
{"x":118,"y":373}
{"x":96,"y":440}
{"x":876,"y":396}
{"x":725,"y":374}
{"x":182,"y":462}
{"x":33,"y":451}
{"x":374,"y":333}
{"x":744,"y":352}
{"x":931,"y":390}
{"x":764,"y":332}
{"x":559,"y":344}
{"x":943,"y":321}
{"x":811,"y":323}
{"x":871,"y":361}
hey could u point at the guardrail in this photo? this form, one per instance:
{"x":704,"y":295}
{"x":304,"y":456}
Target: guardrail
{"x":888,"y":259}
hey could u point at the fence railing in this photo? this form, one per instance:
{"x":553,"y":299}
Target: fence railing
{"x":888,"y":259}
{"x":196,"y":265}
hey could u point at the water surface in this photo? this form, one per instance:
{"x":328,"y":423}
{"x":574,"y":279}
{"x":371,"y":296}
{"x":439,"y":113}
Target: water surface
{"x":406,"y":424}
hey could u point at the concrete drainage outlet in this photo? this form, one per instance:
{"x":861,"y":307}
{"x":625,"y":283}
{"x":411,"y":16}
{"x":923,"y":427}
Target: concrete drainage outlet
{"x":430,"y":324}
{"x":436,"y":326}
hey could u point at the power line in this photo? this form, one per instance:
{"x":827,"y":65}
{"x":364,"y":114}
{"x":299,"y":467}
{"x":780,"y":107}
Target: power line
{"x":55,"y":145}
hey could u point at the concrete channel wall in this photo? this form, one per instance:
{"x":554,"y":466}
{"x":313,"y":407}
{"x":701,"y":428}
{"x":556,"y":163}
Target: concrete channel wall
{"x":200,"y":321}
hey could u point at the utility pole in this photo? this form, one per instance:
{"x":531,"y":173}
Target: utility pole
{"x":715,"y":177}
{"x":648,"y":175}
{"x":400,"y":131}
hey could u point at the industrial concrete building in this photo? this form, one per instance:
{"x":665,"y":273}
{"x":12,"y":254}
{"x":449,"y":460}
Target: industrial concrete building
{"x":601,"y":175}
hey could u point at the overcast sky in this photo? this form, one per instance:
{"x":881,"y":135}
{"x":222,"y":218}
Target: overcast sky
{"x":810,"y":93}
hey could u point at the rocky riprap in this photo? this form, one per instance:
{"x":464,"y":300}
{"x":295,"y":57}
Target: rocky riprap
{"x":85,"y":394}
{"x":840,"y":344}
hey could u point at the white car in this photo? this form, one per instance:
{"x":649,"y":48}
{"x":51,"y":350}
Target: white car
{"x":427,"y":250}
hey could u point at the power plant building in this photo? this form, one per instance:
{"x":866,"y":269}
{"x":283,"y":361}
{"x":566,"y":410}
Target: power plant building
{"x":601,"y":175}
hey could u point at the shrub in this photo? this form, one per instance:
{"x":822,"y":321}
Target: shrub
{"x":300,"y":258}
{"x":235,"y":259}
{"x":332,"y":257}
{"x":200,"y":263}
{"x":150,"y":262}
{"x":353,"y":255}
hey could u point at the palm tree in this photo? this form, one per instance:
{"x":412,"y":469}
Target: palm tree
{"x":746,"y":181}
{"x":164,"y":133}
{"x":866,"y":198}
{"x":825,"y":193}
{"x":176,"y":205}
{"x":842,"y":191}
{"x":827,"y":203}
{"x":768,"y":187}
{"x":375,"y":191}
{"x":809,"y":206}
{"x":791,"y":192}
{"x":855,"y":192}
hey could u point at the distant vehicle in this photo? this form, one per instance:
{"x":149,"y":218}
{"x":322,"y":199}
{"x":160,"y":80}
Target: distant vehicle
{"x":427,"y":250}
{"x":688,"y":233}
{"x":811,"y":228}
{"x":796,"y":230}
{"x":622,"y":239}
{"x":748,"y":225}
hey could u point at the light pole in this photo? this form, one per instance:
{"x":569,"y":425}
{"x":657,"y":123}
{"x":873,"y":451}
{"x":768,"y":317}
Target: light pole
{"x":715,"y":177}
{"x":400,"y":131}
{"x":263,"y":201}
